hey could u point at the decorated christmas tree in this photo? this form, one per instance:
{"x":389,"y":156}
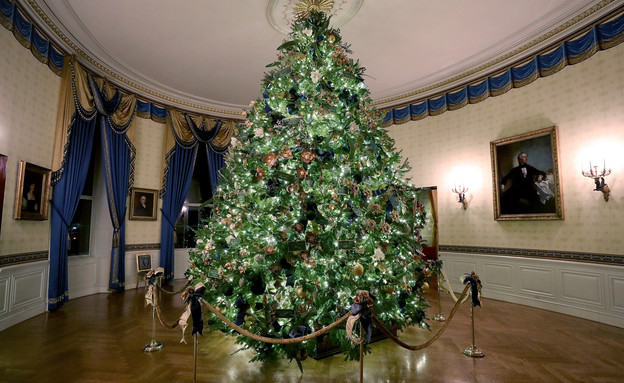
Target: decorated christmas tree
{"x":312,"y":206}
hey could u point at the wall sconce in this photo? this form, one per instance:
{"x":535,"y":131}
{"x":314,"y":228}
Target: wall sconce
{"x":598,"y":177}
{"x":461,"y":191}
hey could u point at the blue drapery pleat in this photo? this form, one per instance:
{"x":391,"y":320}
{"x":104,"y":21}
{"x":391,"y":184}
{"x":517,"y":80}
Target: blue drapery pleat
{"x":181,"y":164}
{"x":216,"y":161}
{"x":117,"y":153}
{"x":65,"y":199}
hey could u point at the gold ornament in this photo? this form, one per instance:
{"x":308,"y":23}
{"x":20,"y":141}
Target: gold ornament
{"x":358,"y":270}
{"x":301,"y":293}
{"x":425,"y":287}
{"x":305,"y":8}
{"x":389,"y":289}
{"x":331,"y":38}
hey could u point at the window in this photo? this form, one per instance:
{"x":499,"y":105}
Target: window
{"x":80,"y":227}
{"x":193,"y":214}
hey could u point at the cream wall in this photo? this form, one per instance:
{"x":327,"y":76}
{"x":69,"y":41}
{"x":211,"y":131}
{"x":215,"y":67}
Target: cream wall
{"x":148,"y":138}
{"x":586,"y":102}
{"x":28,"y":104}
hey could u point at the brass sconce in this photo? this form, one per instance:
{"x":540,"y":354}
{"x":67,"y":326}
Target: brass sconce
{"x":461,"y":191}
{"x":598,"y":177}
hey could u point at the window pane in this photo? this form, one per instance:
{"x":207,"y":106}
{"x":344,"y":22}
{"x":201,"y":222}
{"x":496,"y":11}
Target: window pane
{"x":80,"y":228}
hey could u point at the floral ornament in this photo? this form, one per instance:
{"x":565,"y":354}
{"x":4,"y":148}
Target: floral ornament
{"x":307,"y":32}
{"x":209,"y":245}
{"x":302,"y":173}
{"x":270,"y":249}
{"x":369,"y":224}
{"x":286,"y":154}
{"x":259,"y":132}
{"x":260,"y":173}
{"x":307,"y":156}
{"x":292,"y":188}
{"x":298,"y":227}
{"x":375,"y":208}
{"x":303,"y":255}
{"x":379,"y":255}
{"x":386,"y":228}
{"x":395,"y":216}
{"x":270,"y":159}
{"x":311,"y":237}
{"x":315,"y":76}
{"x":275,"y":268}
{"x":355,"y":189}
{"x":367,"y":192}
{"x":234,"y":142}
{"x":354,"y":127}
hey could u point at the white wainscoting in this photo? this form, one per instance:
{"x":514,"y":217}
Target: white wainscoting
{"x":23,"y":292}
{"x":586,"y":290}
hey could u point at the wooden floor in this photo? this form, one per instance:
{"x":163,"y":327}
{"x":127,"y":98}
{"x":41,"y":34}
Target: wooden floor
{"x":100,"y":338}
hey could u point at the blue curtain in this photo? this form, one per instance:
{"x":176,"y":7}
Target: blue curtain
{"x":216,"y":161}
{"x":181,"y":162}
{"x":117,"y":157}
{"x":70,"y":181}
{"x":117,"y":153}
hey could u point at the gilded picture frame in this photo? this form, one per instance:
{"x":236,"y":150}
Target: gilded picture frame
{"x":3,"y":164}
{"x":144,"y":262}
{"x":526,"y":183}
{"x":32,"y":194}
{"x":143,"y":204}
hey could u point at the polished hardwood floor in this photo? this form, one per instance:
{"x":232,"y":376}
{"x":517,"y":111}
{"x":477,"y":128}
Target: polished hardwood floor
{"x":100,"y":338}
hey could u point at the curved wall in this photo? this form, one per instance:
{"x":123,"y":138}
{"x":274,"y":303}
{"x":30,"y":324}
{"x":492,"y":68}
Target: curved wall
{"x":585,"y":101}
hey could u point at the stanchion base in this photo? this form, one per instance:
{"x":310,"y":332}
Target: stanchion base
{"x":439,"y":318}
{"x":473,"y":351}
{"x":153,"y":346}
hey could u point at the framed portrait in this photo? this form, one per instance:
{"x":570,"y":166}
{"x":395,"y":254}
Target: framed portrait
{"x":3,"y":163}
{"x":144,"y":262}
{"x":525,"y":177}
{"x":143,"y":204}
{"x":32,"y":193}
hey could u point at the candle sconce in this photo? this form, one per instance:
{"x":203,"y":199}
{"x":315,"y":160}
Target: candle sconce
{"x":461,"y":191}
{"x":598,"y":176}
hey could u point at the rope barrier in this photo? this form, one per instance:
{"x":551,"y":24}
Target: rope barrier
{"x":449,"y":289}
{"x":265,"y":339}
{"x":171,"y":292}
{"x":430,"y":341}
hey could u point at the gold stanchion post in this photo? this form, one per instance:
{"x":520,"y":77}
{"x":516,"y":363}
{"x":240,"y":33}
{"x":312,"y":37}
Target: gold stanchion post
{"x":473,"y":350}
{"x":439,"y":317}
{"x":195,"y":344}
{"x":361,"y":354}
{"x":153,"y":345}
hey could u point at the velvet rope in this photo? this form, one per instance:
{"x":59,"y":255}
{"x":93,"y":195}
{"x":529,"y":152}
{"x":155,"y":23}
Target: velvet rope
{"x":430,"y":341}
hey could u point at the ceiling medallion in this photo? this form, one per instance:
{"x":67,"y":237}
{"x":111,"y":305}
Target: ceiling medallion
{"x":305,"y":8}
{"x":282,"y":13}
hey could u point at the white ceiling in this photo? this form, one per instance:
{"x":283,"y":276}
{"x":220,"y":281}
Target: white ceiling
{"x":210,"y":55}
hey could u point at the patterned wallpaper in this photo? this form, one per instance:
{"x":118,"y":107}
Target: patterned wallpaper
{"x":28,"y":104}
{"x":149,"y":141}
{"x":586,"y":102}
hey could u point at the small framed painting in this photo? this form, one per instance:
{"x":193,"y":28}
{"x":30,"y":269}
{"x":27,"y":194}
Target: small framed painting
{"x":143,"y":204}
{"x":32,"y":193}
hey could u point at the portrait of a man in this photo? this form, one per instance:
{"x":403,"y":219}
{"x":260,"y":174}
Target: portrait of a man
{"x":142,"y":204}
{"x":525,"y":174}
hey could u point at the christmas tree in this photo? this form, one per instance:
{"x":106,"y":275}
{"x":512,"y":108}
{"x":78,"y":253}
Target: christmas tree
{"x":312,"y":206}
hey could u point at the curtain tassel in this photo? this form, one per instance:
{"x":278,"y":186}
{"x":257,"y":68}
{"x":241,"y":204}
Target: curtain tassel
{"x":116,"y":238}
